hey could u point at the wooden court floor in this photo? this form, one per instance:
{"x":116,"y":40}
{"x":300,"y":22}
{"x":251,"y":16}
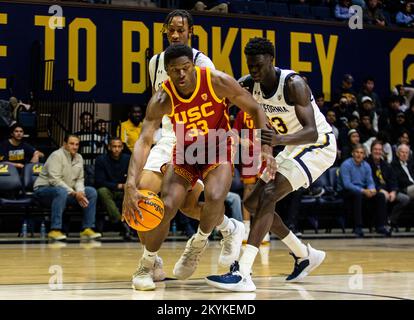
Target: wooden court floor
{"x":354,"y":269}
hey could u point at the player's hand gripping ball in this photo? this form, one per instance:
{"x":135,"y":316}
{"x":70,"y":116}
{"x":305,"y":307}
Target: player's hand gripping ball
{"x":152,"y":211}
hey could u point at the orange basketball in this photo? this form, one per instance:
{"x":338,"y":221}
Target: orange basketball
{"x":152,"y":210}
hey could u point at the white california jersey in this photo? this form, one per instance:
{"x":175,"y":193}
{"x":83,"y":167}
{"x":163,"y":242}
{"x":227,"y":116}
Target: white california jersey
{"x":282,"y":114}
{"x":158,"y":75}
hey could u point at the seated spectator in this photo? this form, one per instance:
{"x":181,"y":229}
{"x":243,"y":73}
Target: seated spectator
{"x":343,"y":12}
{"x":7,"y":109}
{"x":346,"y":90}
{"x":373,"y":14}
{"x":61,"y":183}
{"x":322,"y":104}
{"x":331,"y":119}
{"x":367,"y":90}
{"x":404,"y":172}
{"x":357,"y":186}
{"x":388,"y":117}
{"x":405,"y":94}
{"x":110,"y":176}
{"x":88,"y":141}
{"x":102,"y":136}
{"x":404,"y":138}
{"x":409,"y":114}
{"x":344,"y":112}
{"x":130,"y":130}
{"x":367,"y":107}
{"x":17,"y":152}
{"x":353,"y":140}
{"x":220,"y":6}
{"x":366,"y":130}
{"x":405,"y":17}
{"x":234,"y":204}
{"x":351,"y":123}
{"x":384,"y":138}
{"x":401,"y":125}
{"x":386,"y":182}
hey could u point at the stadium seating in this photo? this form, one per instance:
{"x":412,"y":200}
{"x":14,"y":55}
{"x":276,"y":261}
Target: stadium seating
{"x":278,"y":9}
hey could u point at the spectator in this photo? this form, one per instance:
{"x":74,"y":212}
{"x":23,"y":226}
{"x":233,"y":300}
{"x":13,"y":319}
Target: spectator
{"x":343,"y":12}
{"x":404,"y":171}
{"x":353,"y":140}
{"x":405,"y":94}
{"x":331,"y":119}
{"x":409,"y":114}
{"x":405,"y":17}
{"x":373,"y":14}
{"x":404,"y":138}
{"x":386,"y":182}
{"x":220,"y":6}
{"x":343,"y":138}
{"x":388,"y":118}
{"x":367,"y":90}
{"x":102,"y":136}
{"x":382,"y":137}
{"x":357,"y":186}
{"x":61,"y":183}
{"x":110,"y":176}
{"x":366,"y":130}
{"x":88,"y":141}
{"x":7,"y":111}
{"x":234,"y":204}
{"x":322,"y":104}
{"x":344,"y":112}
{"x":367,"y":107}
{"x":17,"y":152}
{"x":346,"y":90}
{"x":130,"y":130}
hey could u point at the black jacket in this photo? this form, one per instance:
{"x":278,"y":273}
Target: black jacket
{"x":401,"y":176}
{"x":383,"y":176}
{"x":109,"y":172}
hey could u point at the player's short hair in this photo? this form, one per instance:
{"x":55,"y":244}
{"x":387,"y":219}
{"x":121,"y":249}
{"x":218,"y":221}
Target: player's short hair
{"x":257,"y":46}
{"x":178,"y":13}
{"x":176,"y":51}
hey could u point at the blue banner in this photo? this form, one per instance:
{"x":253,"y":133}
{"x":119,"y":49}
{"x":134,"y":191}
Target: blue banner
{"x":104,"y":48}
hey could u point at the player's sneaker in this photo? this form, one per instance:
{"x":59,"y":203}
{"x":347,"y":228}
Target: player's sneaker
{"x":158,"y":273}
{"x":142,"y":278}
{"x":231,"y":244}
{"x":188,"y":262}
{"x":304,"y":266}
{"x":232,"y":281}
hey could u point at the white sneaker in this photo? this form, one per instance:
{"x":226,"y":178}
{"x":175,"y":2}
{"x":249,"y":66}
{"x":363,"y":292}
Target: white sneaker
{"x":266,"y":239}
{"x":158,"y":273}
{"x":188,"y":262}
{"x":304,"y":266}
{"x":231,"y":244}
{"x":232,"y":281}
{"x":142,"y":278}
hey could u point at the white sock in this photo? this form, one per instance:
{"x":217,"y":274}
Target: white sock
{"x":246,"y":225}
{"x":295,"y":245}
{"x":226,"y":227}
{"x":247,"y":259}
{"x":149,"y":256}
{"x":200,"y":237}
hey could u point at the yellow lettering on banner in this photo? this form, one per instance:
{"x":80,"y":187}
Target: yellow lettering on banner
{"x":3,"y":50}
{"x":202,"y":39}
{"x":271,"y":36}
{"x":246,"y":35}
{"x":43,"y":21}
{"x":403,"y":48}
{"x":326,"y":61}
{"x":158,"y":38}
{"x":73,"y":69}
{"x":129,"y":57}
{"x":296,"y":38}
{"x":221,"y":54}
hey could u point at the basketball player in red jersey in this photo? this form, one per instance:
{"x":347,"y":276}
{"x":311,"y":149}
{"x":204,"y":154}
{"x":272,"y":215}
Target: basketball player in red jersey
{"x":196,"y":101}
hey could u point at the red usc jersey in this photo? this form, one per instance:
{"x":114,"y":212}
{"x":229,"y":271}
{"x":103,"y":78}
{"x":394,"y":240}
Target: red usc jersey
{"x":198,"y":114}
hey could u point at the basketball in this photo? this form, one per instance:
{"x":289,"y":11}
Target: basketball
{"x":152,"y":210}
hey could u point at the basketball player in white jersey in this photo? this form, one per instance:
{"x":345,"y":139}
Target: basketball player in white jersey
{"x":178,"y":26}
{"x":310,"y":149}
